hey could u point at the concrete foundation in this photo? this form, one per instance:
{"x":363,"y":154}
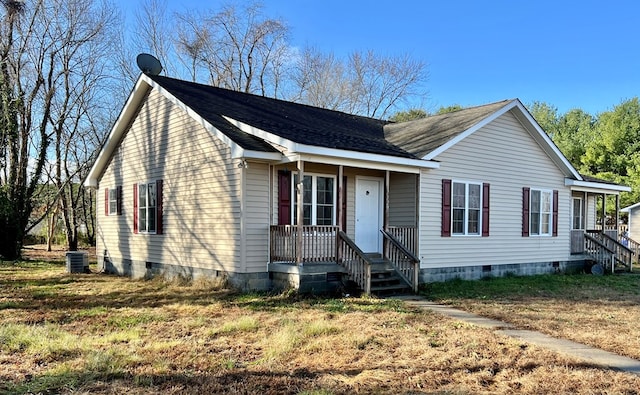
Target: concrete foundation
{"x":138,"y":269}
{"x":430,"y":275}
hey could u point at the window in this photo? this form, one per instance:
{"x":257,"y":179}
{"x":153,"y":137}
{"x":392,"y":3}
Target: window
{"x":466,"y":207}
{"x":576,"y":217}
{"x":318,"y":200}
{"x":112,"y":201}
{"x":539,"y":212}
{"x":147,"y":207}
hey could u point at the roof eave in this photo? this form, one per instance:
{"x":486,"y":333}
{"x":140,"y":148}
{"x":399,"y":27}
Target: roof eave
{"x":129,"y":110}
{"x":293,"y":148}
{"x":596,"y":186}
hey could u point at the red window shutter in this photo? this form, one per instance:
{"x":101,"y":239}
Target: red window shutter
{"x":106,"y":202}
{"x":284,"y":197}
{"x":343,"y":225}
{"x":159,"y":227}
{"x":555,"y":214}
{"x":119,"y":199}
{"x":135,"y":208}
{"x":446,"y":208}
{"x":525,"y":212}
{"x":485,"y":210}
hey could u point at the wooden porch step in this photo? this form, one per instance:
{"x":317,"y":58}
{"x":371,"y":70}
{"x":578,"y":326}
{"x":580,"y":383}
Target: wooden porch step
{"x":385,"y":280}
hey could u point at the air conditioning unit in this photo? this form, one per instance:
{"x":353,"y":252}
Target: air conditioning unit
{"x":77,"y":262}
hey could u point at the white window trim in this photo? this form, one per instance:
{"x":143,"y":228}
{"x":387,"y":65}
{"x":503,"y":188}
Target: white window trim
{"x":466,"y":208}
{"x":145,"y":231}
{"x":542,"y":191}
{"x":314,"y":197}
{"x":113,"y":200}
{"x":582,"y":211}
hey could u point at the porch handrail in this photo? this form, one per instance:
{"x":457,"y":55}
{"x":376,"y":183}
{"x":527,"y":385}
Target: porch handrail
{"x":632,"y":244}
{"x":407,"y":235}
{"x":597,"y":250}
{"x":403,"y":260}
{"x":621,"y":253}
{"x":358,"y":265}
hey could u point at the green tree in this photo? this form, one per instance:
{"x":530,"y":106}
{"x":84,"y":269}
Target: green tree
{"x":410,"y":115}
{"x":447,"y":109}
{"x":574,"y":133}
{"x":546,"y":115}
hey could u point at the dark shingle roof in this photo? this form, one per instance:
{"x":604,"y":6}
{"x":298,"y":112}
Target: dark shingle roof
{"x":295,"y":122}
{"x":422,"y":136}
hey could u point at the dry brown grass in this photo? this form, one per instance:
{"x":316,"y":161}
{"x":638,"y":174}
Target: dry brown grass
{"x":603,"y":312}
{"x":102,"y":334}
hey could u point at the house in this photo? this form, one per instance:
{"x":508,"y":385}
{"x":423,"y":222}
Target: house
{"x":195,"y":180}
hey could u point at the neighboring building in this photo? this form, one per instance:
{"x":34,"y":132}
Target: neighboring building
{"x":197,"y":180}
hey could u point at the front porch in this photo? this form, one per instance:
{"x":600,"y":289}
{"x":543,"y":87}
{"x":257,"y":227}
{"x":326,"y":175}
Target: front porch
{"x":325,"y":256}
{"x":358,"y":225}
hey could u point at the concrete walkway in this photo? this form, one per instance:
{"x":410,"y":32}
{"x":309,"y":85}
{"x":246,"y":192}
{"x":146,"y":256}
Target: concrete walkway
{"x":593,"y":355}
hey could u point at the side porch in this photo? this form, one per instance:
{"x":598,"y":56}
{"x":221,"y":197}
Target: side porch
{"x":597,"y":236}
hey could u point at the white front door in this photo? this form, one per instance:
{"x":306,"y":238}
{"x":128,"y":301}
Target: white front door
{"x":369,"y":214}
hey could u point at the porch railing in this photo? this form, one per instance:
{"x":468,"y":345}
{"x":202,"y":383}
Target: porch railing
{"x":631,"y":244}
{"x":355,"y":261}
{"x":407,"y":265}
{"x":621,"y":253}
{"x":598,"y":251}
{"x":319,"y":243}
{"x":406,"y":235}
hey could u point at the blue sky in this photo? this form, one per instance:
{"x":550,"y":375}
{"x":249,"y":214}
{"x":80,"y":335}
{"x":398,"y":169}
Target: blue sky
{"x":569,"y":54}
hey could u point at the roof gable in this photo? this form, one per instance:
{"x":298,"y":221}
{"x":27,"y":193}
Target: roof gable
{"x":429,"y":137}
{"x":424,"y":136}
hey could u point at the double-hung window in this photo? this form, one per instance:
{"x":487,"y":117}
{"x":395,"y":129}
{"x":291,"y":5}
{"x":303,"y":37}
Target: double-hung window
{"x":113,"y":201}
{"x":147,"y":207}
{"x":540,"y":212}
{"x":466,"y":206}
{"x":318,"y":200}
{"x":147,"y":200}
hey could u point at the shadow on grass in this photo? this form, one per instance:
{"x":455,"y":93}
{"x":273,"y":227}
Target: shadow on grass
{"x":51,"y":291}
{"x":232,"y":380}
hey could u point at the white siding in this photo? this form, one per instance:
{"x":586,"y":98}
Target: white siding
{"x":634,"y":224}
{"x":256,"y":217}
{"x":591,"y":211}
{"x":504,"y":155}
{"x":402,"y":199}
{"x":202,"y":206}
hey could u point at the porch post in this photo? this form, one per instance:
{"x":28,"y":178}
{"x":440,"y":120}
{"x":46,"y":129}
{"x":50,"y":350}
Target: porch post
{"x":387,"y":179}
{"x":585,"y":204}
{"x":300,"y":212}
{"x":604,"y":212}
{"x":340,"y":218}
{"x":617,"y":215}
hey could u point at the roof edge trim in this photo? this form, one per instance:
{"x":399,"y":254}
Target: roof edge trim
{"x":297,"y":148}
{"x":508,"y":106}
{"x":596,"y":185}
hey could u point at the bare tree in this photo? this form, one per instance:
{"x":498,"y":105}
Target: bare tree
{"x":53,"y":61}
{"x":321,"y":80}
{"x":365,"y":84}
{"x":238,"y":48}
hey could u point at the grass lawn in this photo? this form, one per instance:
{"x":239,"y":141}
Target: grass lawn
{"x":93,"y":333}
{"x":602,"y":311}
